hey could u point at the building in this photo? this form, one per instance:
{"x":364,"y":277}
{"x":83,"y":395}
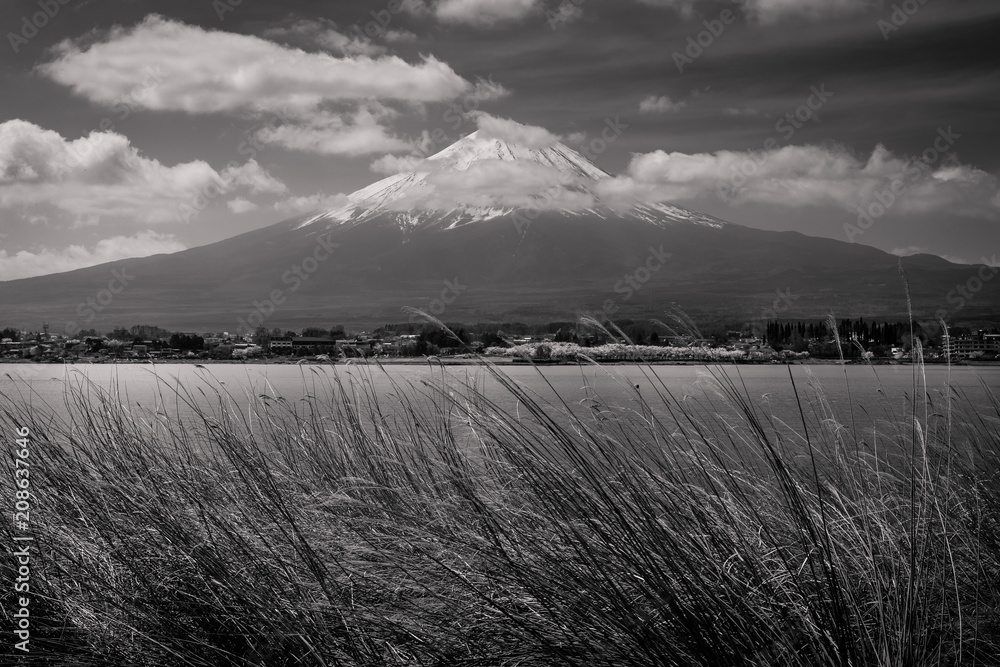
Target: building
{"x":286,"y":344}
{"x":960,"y":347}
{"x":281,"y":344}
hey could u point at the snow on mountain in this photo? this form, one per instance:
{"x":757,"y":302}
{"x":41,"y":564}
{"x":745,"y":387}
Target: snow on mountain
{"x":480,"y":177}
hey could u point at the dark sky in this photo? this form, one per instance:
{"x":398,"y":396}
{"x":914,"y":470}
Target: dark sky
{"x":119,"y":118}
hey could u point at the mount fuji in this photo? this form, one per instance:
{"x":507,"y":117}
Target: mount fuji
{"x":415,"y":201}
{"x":493,"y":230}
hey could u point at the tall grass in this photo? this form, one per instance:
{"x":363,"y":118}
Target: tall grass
{"x":437,"y":525}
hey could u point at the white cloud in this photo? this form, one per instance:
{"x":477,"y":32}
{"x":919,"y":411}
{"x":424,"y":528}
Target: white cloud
{"x":773,"y":11}
{"x":685,"y":7}
{"x":487,"y":90}
{"x":529,"y":136}
{"x":208,"y":71}
{"x":799,"y":176}
{"x":415,"y":7}
{"x":654,"y":104}
{"x":397,"y":36}
{"x":25,"y":264}
{"x":316,"y":202}
{"x":241,"y":205}
{"x":253,"y":177}
{"x":356,"y":133}
{"x":325,"y":33}
{"x":483,"y":13}
{"x":566,"y":12}
{"x":748,"y":111}
{"x":396,"y":164}
{"x":102,"y":175}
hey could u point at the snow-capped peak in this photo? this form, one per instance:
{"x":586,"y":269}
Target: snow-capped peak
{"x":481,"y":177}
{"x":477,"y":148}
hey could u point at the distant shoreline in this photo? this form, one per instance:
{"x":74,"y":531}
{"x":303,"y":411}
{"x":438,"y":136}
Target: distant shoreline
{"x":503,"y":361}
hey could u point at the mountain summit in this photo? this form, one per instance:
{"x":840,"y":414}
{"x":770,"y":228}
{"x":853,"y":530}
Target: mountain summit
{"x":482,"y":177}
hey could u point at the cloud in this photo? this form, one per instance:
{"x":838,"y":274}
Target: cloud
{"x":749,"y":111}
{"x":417,"y":8}
{"x":654,"y":104}
{"x":241,"y":205}
{"x":253,"y":177}
{"x":487,"y":90}
{"x":305,"y":204}
{"x":492,"y":183}
{"x":329,"y":99}
{"x":356,"y":133}
{"x":103,"y":175}
{"x":529,"y":136}
{"x":685,"y":7}
{"x":397,"y":36}
{"x":395,"y":164}
{"x":207,"y":71}
{"x":480,"y":13}
{"x":800,"y":176}
{"x":26,"y":264}
{"x":325,"y":34}
{"x":566,"y":12}
{"x":774,"y":11}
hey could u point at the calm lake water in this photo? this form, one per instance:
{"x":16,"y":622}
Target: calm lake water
{"x":880,"y":394}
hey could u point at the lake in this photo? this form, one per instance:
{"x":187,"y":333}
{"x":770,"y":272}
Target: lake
{"x":880,"y":393}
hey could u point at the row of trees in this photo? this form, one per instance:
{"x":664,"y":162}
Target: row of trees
{"x":877,"y":337}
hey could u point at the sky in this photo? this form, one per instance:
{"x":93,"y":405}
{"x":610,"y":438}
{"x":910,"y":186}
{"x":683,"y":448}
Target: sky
{"x":134,"y":127}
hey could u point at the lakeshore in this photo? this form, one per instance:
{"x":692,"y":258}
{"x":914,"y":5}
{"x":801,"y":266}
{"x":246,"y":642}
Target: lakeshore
{"x":498,"y":360}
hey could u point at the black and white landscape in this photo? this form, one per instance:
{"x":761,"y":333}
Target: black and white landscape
{"x":499,"y":332}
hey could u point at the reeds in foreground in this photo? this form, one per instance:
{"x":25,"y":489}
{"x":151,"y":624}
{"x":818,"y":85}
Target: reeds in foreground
{"x":433,"y":526}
